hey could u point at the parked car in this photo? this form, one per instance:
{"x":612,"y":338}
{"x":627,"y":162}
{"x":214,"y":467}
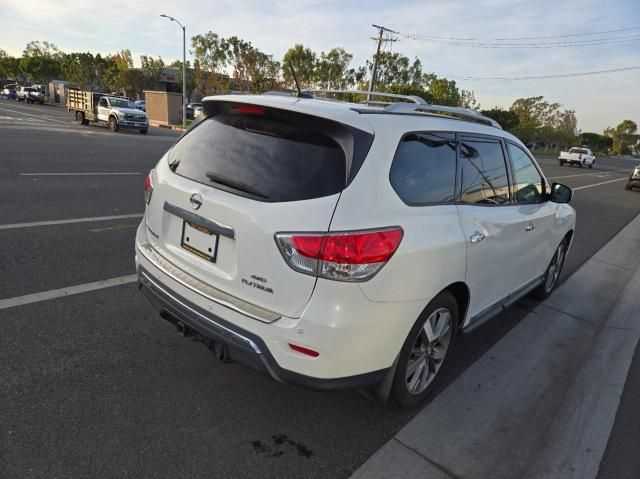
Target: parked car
{"x":35,"y":94}
{"x":115,"y":112}
{"x":190,"y":110}
{"x":198,"y":113}
{"x":9,"y":92}
{"x":23,"y":92}
{"x":141,"y":105}
{"x":577,"y":156}
{"x":634,"y":179}
{"x":286,"y":238}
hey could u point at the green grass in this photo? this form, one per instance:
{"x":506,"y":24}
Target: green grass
{"x":543,"y":152}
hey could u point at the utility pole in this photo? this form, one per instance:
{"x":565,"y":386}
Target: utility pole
{"x":372,"y":82}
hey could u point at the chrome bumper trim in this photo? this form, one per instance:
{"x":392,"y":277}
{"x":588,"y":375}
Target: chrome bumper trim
{"x":204,"y":290}
{"x":225,"y":332}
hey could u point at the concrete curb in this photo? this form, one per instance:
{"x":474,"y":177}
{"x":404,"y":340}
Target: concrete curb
{"x":165,"y":126}
{"x":542,"y":401}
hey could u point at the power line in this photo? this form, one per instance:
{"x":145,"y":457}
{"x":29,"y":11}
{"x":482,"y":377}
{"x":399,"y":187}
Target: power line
{"x":603,"y":32}
{"x":546,"y":77}
{"x":576,"y":43}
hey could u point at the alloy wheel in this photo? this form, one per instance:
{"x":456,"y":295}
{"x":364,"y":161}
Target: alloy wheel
{"x":553,"y":273}
{"x":429,"y":351}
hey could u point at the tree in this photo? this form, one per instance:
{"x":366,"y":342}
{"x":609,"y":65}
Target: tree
{"x":508,"y":119}
{"x":9,"y":67}
{"x":41,"y":61}
{"x":303,"y":61}
{"x":622,"y":136}
{"x":442,"y":91}
{"x":83,"y":70}
{"x":191,"y":78}
{"x":394,"y":69}
{"x":210,"y":52}
{"x":151,"y":70}
{"x":120,"y":76}
{"x":595,"y":141}
{"x":541,"y":122}
{"x":332,"y":69}
{"x":262,"y":71}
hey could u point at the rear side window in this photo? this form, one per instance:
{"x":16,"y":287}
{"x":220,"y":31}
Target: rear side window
{"x":268,"y":154}
{"x":424,"y":168}
{"x":484,"y":173}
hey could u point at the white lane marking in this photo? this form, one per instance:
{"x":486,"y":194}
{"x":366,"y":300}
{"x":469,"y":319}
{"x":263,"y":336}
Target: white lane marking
{"x":62,"y":292}
{"x":83,"y":174}
{"x":15,"y":118}
{"x":37,"y":116}
{"x":598,"y":184}
{"x":69,"y":221}
{"x":601,"y":172}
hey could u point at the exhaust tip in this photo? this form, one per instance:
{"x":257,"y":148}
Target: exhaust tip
{"x":182,"y":329}
{"x":221,"y":352}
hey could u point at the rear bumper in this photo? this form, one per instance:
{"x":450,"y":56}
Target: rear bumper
{"x":244,"y":347}
{"x":572,"y":160}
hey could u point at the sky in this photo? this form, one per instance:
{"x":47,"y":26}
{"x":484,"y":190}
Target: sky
{"x":274,"y":26}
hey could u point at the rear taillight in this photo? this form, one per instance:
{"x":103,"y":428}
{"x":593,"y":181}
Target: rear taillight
{"x":148,"y":186}
{"x":345,"y":256}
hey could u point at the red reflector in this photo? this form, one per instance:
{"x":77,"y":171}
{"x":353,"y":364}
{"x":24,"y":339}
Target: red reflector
{"x":308,"y":352}
{"x":250,"y":110}
{"x":148,"y":187}
{"x":148,"y":183}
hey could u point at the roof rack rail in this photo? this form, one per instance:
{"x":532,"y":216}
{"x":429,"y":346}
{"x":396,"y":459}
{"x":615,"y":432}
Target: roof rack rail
{"x":412,"y":98}
{"x":464,"y":113}
{"x":414,"y":104}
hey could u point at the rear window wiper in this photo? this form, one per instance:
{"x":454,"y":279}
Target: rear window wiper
{"x":236,"y":185}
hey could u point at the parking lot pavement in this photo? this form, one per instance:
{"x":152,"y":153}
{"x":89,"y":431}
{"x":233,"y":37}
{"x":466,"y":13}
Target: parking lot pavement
{"x":95,"y":384}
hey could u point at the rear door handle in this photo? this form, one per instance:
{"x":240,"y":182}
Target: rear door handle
{"x":530,"y":227}
{"x":476,"y":237}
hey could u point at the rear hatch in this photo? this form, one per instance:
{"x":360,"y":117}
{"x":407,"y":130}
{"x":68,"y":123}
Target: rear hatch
{"x":237,"y":178}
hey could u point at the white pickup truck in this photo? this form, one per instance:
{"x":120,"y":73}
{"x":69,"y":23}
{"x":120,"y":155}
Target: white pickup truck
{"x":577,"y":156}
{"x":116,"y":112}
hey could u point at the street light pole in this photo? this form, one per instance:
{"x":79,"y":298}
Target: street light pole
{"x":184,"y":69}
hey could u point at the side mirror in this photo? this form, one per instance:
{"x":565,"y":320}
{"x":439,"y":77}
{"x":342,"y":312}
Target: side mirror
{"x":561,"y":193}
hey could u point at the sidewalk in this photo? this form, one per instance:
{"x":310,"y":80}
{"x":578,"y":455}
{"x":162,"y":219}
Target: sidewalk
{"x":542,"y":401}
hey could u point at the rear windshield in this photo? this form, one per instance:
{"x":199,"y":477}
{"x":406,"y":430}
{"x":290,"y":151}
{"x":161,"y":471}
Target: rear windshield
{"x":578,"y":150}
{"x":268,"y":154}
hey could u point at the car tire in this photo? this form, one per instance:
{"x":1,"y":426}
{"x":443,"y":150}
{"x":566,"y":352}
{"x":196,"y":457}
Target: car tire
{"x":561,"y":162}
{"x":581,"y":165}
{"x":42,"y":102}
{"x":80,"y":117}
{"x":628,"y":186}
{"x":423,"y":353}
{"x":553,"y":272}
{"x":144,"y":131}
{"x":113,"y":124}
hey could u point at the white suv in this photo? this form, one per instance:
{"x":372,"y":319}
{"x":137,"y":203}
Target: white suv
{"x":333,"y":245}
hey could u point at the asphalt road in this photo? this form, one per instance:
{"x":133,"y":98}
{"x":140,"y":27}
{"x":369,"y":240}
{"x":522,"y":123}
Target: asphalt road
{"x":97,"y":385}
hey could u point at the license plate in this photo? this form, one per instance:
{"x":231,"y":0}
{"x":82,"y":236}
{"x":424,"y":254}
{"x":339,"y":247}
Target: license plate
{"x":199,"y":241}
